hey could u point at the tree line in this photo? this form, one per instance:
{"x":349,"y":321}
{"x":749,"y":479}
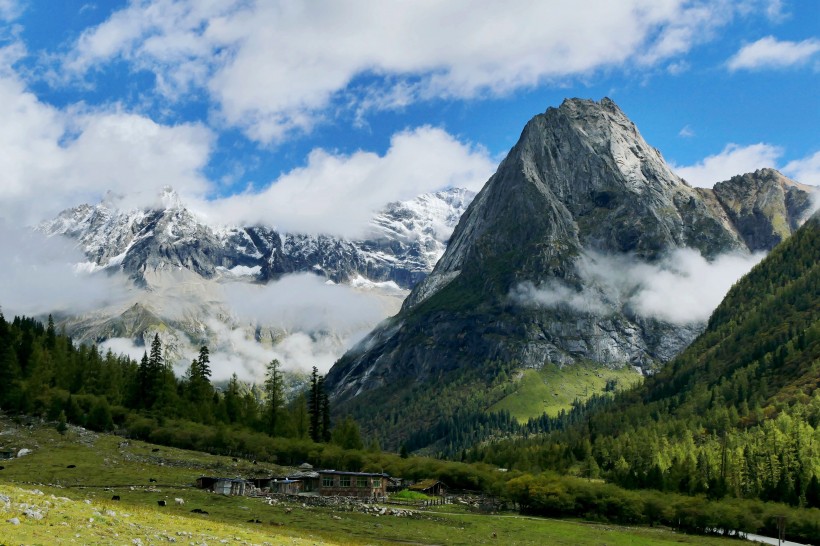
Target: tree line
{"x":44,"y":373}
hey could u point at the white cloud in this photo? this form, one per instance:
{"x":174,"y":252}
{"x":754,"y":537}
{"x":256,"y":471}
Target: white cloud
{"x":769,"y":52}
{"x":806,"y":170}
{"x":51,"y":159}
{"x":339,"y":193}
{"x":305,"y":302}
{"x":686,"y":132}
{"x":275,"y":67}
{"x":319,"y":321}
{"x":40,"y":276}
{"x":733,"y":160}
{"x":299,"y":320}
{"x":683,"y":288}
{"x":10,"y":10}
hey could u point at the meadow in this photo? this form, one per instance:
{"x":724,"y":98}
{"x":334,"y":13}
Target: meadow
{"x":69,"y":481}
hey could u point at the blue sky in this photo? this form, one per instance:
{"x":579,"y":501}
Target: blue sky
{"x":310,"y":115}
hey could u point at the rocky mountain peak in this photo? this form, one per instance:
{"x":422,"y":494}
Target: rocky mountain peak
{"x":580,"y":177}
{"x":579,"y":203}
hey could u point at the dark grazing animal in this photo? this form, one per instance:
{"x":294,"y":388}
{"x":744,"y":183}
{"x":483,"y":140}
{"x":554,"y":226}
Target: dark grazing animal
{"x":199,"y":511}
{"x":115,"y":497}
{"x":161,"y":503}
{"x":155,"y":450}
{"x":72,"y":466}
{"x":152,"y":480}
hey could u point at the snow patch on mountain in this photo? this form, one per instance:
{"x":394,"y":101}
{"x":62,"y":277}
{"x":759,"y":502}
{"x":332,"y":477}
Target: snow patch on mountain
{"x":192,"y":279}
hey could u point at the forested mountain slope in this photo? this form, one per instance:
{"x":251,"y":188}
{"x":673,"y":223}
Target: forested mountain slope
{"x":737,"y":413}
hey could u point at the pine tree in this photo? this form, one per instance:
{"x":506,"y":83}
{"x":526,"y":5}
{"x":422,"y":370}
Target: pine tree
{"x":232,"y":400}
{"x":324,"y":409}
{"x":9,"y":376}
{"x":51,"y":336}
{"x":274,"y":390}
{"x":198,"y":383}
{"x":143,"y":383}
{"x":299,"y":417}
{"x":315,"y":407}
{"x":204,"y":363}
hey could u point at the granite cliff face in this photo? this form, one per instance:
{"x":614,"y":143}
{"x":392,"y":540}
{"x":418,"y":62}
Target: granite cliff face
{"x":527,"y":276}
{"x":765,"y":206}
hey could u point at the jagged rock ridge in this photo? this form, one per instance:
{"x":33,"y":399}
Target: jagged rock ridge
{"x":406,"y":240}
{"x":581,"y":182}
{"x":179,"y":263}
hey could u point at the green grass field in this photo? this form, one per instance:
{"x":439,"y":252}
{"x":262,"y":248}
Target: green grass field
{"x":77,"y":507}
{"x":552,"y":389}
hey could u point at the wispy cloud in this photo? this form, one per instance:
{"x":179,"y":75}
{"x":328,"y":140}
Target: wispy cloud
{"x":805,"y":170}
{"x":733,"y":160}
{"x":10,"y":10}
{"x":769,"y":52}
{"x":683,"y":288}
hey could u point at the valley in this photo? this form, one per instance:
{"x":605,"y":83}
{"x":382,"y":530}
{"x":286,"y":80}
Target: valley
{"x":75,"y":504}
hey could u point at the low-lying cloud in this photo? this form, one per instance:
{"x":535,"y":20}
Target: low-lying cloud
{"x":304,"y":302}
{"x":683,"y":288}
{"x":301,"y":320}
{"x":41,"y":275}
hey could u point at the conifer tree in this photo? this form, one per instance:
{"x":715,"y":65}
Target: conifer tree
{"x":299,"y":418}
{"x":51,"y":336}
{"x":143,"y":382}
{"x":315,"y":407}
{"x":274,"y":390}
{"x":324,"y":408}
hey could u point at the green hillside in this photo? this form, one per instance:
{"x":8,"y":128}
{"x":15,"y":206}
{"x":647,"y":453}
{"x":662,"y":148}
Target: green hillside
{"x":552,"y":389}
{"x":737,"y":414}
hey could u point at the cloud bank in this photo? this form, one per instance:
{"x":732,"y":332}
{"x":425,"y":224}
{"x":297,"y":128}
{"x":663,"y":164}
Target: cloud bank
{"x":40,"y":275}
{"x":51,"y":159}
{"x":304,"y":302}
{"x":301,"y":320}
{"x":684,"y":288}
{"x":339,"y":194}
{"x":276,"y":67}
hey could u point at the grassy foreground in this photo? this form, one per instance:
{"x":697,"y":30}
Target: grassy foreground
{"x":76,"y":504}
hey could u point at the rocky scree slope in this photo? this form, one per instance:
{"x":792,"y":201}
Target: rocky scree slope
{"x":580,"y":188}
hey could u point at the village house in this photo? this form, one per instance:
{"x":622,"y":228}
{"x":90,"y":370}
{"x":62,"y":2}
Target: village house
{"x":433,"y":488}
{"x":364,"y":485}
{"x":226,"y":486}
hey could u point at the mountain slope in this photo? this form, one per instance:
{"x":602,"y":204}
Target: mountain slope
{"x":736,"y":413}
{"x":182,"y":266}
{"x":530,"y":276}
